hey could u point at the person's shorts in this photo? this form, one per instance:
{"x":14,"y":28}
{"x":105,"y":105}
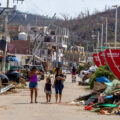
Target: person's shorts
{"x":59,"y":88}
{"x":33,"y":85}
{"x":48,"y":92}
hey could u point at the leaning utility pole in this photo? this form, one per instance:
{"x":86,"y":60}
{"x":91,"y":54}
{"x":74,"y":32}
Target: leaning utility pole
{"x":41,"y":39}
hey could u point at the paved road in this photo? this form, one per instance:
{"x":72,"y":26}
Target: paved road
{"x":17,"y":107}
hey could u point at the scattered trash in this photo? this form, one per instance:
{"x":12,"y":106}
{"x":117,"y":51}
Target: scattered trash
{"x":105,"y":97}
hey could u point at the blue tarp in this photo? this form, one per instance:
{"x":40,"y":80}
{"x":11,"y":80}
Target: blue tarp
{"x":15,"y":59}
{"x":103,"y":80}
{"x":10,"y":58}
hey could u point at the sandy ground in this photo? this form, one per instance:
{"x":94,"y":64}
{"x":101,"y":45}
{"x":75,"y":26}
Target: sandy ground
{"x":17,"y":106}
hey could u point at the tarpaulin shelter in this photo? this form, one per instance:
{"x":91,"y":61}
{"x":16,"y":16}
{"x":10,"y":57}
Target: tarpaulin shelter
{"x":9,"y":59}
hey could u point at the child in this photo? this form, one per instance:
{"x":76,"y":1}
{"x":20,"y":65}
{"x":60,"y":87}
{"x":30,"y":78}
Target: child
{"x":48,"y":89}
{"x":34,"y":82}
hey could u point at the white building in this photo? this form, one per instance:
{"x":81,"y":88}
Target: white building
{"x":59,"y":41}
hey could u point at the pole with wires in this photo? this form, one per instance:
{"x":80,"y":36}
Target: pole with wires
{"x":106,"y":31}
{"x":116,"y":23}
{"x":6,"y":35}
{"x":98,"y":40}
{"x":102,"y":36}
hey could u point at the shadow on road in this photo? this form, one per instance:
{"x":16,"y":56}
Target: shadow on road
{"x":35,"y":103}
{"x":22,"y":103}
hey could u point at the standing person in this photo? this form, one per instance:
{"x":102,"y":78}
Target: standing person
{"x":34,"y":82}
{"x":48,"y":89}
{"x":58,"y":84}
{"x":73,"y":74}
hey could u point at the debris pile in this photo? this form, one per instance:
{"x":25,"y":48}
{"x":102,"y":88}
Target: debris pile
{"x":21,"y":85}
{"x":104,"y":99}
{"x":102,"y":71}
{"x":11,"y":86}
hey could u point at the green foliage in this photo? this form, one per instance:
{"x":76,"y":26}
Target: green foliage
{"x":101,"y":71}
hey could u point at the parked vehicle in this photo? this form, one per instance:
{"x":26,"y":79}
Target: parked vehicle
{"x":86,"y":72}
{"x":40,"y":67}
{"x":13,"y":75}
{"x":68,"y":72}
{"x":26,"y":66}
{"x":65,"y":70}
{"x":4,"y":79}
{"x":15,"y":68}
{"x":92,"y":68}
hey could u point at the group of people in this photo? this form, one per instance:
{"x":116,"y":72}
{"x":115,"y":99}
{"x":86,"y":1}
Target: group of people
{"x":58,"y":85}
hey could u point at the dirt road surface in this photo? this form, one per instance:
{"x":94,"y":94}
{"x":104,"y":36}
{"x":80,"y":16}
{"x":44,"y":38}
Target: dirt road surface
{"x":17,"y":106}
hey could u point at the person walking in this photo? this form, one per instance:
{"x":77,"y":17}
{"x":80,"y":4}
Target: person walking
{"x":48,"y":90}
{"x":58,"y":84}
{"x":73,"y":74}
{"x":34,"y":82}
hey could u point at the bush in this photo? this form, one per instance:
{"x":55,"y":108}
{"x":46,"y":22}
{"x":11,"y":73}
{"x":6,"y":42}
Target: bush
{"x":101,"y":71}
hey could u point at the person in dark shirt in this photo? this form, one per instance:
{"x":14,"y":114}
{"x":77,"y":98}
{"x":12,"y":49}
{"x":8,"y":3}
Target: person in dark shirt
{"x":58,"y":84}
{"x":74,"y":74}
{"x":74,"y":70}
{"x":48,"y":89}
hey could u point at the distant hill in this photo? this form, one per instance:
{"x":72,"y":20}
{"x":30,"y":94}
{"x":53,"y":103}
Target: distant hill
{"x":82,"y":28}
{"x":86,"y":27}
{"x":28,"y":18}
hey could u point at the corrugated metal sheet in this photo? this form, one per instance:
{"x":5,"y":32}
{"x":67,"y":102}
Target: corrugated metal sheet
{"x":5,"y":89}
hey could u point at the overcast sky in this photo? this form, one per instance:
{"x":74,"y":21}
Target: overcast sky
{"x":69,"y":7}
